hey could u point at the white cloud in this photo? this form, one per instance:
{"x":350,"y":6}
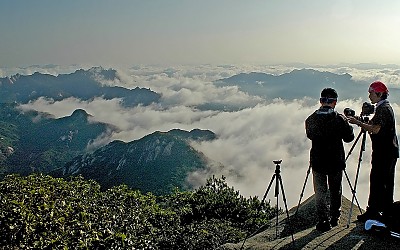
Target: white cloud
{"x":390,"y":75}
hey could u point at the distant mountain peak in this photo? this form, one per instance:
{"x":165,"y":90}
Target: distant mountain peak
{"x":80,"y":113}
{"x":194,"y":134}
{"x":98,"y":71}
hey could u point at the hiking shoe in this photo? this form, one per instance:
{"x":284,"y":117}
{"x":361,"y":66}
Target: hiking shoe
{"x":368,"y":215}
{"x":334,"y":221}
{"x":323,"y":226}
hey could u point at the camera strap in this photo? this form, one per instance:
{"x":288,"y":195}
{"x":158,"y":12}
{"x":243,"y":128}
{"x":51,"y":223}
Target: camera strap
{"x":325,"y":111}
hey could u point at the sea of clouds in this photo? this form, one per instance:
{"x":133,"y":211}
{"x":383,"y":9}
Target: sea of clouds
{"x":249,"y":140}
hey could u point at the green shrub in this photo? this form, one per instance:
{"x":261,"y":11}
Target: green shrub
{"x":215,"y":214}
{"x":42,"y":212}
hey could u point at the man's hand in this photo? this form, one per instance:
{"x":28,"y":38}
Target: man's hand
{"x":370,"y":128}
{"x":353,"y":120}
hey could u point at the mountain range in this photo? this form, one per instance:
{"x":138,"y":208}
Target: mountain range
{"x":33,"y":142}
{"x":82,"y":84}
{"x":298,"y":84}
{"x":36,"y":142}
{"x":157,"y":163}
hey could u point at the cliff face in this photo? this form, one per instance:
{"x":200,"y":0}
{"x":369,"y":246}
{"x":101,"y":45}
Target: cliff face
{"x":305,"y":236}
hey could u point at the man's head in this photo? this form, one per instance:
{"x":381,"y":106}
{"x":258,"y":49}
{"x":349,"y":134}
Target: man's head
{"x":328,"y":97}
{"x":378,"y":91}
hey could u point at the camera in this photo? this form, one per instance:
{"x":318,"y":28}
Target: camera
{"x":366,"y":110}
{"x":349,"y":112}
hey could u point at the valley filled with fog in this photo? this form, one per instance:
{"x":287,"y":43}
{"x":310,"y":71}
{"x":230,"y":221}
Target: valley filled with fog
{"x":252,"y":131}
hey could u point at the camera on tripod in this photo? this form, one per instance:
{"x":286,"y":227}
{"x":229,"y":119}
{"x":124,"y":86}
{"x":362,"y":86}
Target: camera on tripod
{"x":366,"y":110}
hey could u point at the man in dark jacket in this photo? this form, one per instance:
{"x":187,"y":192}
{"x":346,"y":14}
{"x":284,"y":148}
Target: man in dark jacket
{"x":385,"y":151}
{"x":327,"y":130}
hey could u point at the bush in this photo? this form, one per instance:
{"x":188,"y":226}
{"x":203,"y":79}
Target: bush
{"x":215,"y":214}
{"x":42,"y":212}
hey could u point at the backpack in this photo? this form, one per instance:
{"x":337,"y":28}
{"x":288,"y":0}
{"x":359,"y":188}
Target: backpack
{"x":379,"y":228}
{"x":393,"y":219}
{"x":389,"y":226}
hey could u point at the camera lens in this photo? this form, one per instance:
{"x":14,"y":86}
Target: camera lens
{"x":349,"y":112}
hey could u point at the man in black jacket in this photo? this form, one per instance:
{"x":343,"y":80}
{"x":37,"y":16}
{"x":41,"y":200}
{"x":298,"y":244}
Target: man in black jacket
{"x":385,"y":151}
{"x":327,"y":130}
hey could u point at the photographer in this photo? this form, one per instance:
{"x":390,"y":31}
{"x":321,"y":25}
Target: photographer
{"x":385,"y":151}
{"x":327,"y":130}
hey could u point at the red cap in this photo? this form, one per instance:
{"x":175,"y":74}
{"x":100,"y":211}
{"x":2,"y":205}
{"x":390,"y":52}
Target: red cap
{"x":378,"y":87}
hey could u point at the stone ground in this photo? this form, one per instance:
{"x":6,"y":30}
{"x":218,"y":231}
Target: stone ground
{"x":347,"y":235}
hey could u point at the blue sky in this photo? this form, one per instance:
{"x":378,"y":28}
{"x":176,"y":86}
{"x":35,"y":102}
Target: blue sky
{"x":130,"y":32}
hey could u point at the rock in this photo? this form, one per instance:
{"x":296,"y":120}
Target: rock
{"x":302,"y":225}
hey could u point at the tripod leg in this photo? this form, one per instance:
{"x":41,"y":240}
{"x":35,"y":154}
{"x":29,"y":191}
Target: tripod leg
{"x":277,"y":206}
{"x":352,"y":190}
{"x":266,"y":192}
{"x":345,"y":173}
{"x":302,"y":191}
{"x":358,"y":171}
{"x":286,"y":208}
{"x":351,"y":210}
{"x":354,"y":144}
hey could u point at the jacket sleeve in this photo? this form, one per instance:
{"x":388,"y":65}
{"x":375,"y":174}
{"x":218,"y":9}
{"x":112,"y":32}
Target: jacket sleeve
{"x":347,"y":129}
{"x":309,"y":128}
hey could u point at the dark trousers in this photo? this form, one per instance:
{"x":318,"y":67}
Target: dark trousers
{"x":325,"y":184}
{"x":381,"y":184}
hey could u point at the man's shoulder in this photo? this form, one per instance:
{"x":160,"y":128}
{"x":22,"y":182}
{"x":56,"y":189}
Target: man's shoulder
{"x":383,"y":106}
{"x":385,"y":109}
{"x":312,"y":115}
{"x":341,"y":117}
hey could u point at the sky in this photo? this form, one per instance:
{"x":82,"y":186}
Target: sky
{"x":166,"y":32}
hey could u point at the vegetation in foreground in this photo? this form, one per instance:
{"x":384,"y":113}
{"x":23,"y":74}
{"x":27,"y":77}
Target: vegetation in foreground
{"x":42,"y":212}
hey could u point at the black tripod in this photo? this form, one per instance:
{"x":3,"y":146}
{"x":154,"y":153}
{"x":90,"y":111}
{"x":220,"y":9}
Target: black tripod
{"x":353,"y":190}
{"x":278,"y":184}
{"x":362,"y":149}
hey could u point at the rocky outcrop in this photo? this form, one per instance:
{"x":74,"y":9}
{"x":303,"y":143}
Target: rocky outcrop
{"x":302,"y":225}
